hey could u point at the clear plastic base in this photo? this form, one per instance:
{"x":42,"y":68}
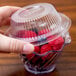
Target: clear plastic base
{"x":34,"y":71}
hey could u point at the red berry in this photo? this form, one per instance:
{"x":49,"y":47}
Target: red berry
{"x":29,"y":56}
{"x":35,"y":59}
{"x":21,"y":34}
{"x":44,"y":31}
{"x":57,"y":43}
{"x":45,"y":48}
{"x":48,"y":56}
{"x":35,"y":30}
{"x":57,"y":47}
{"x":44,"y":57}
{"x":50,"y":38}
{"x":30,"y":34}
{"x":37,"y":49}
{"x":26,"y":34}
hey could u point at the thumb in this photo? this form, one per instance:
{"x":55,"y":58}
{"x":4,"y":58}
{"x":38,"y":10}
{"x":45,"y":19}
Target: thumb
{"x":15,"y":46}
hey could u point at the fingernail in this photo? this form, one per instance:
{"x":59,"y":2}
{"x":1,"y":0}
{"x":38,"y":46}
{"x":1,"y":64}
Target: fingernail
{"x":28,"y":48}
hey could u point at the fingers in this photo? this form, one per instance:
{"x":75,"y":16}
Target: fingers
{"x":1,"y":32}
{"x":6,"y":12}
{"x":9,"y":44}
{"x":15,"y":46}
{"x":6,"y":21}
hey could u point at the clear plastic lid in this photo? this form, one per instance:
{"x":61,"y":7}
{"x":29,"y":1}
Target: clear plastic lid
{"x":34,"y":22}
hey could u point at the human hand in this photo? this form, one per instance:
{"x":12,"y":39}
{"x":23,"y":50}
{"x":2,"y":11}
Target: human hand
{"x":8,"y":44}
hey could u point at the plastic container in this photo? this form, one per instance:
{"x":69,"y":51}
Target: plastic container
{"x":44,"y":27}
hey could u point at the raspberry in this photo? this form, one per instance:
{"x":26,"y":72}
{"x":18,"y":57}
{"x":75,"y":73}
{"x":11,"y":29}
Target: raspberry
{"x":50,"y":37}
{"x":26,"y":34}
{"x":48,"y":56}
{"x":35,"y":30}
{"x":30,"y":34}
{"x":45,"y":57}
{"x":44,"y":31}
{"x":21,"y":34}
{"x":45,"y":48}
{"x":36,"y":59}
{"x":57,"y":43}
{"x":29,"y":56}
{"x":57,"y":47}
{"x":37,"y":49}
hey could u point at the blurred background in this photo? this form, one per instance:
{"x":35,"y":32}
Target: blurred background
{"x":11,"y":65}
